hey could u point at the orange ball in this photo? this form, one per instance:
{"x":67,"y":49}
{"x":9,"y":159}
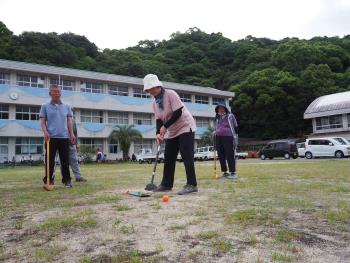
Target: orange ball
{"x":165,"y":198}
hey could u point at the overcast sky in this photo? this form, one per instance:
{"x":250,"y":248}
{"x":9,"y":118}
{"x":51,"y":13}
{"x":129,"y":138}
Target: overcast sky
{"x":122,"y":23}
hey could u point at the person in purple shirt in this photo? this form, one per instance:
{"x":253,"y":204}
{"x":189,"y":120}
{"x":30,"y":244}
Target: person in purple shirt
{"x":226,"y":140}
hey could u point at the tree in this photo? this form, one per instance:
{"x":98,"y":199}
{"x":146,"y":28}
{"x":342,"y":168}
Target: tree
{"x":207,"y":138}
{"x":125,"y":134}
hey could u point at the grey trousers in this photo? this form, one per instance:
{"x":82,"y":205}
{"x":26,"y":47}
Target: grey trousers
{"x":73,"y":161}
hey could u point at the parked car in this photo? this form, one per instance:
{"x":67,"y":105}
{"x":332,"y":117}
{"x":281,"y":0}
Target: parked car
{"x":280,"y":148}
{"x":145,"y":155}
{"x":301,"y":149}
{"x":325,"y":147}
{"x":341,"y":140}
{"x":204,"y":153}
{"x":241,"y":155}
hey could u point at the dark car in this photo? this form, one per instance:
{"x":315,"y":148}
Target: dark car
{"x":281,"y":148}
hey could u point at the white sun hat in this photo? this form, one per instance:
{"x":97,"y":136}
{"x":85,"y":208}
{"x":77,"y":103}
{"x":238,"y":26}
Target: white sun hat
{"x":151,"y":81}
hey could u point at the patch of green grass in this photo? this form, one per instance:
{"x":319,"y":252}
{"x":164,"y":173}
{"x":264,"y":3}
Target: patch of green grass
{"x":156,"y":206}
{"x":200,"y":212}
{"x":120,"y":208}
{"x":279,"y":257}
{"x":127,"y":229}
{"x":177,"y":227}
{"x":128,"y":257}
{"x":208,"y":235}
{"x":195,"y":254}
{"x":105,"y":199}
{"x":221,"y":245}
{"x":248,"y":217}
{"x":338,"y":216}
{"x":80,"y":220}
{"x":85,"y":260}
{"x":48,"y":253}
{"x":286,"y":235}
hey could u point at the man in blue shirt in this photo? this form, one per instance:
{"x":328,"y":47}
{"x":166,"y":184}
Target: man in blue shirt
{"x":57,"y":126}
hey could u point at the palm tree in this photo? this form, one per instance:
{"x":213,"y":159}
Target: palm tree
{"x":125,"y":134}
{"x":207,"y":138}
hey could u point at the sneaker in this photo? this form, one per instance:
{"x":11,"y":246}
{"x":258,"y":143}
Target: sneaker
{"x":188,"y":189}
{"x":232,"y":176}
{"x":80,"y":179}
{"x":224,"y":175}
{"x":161,"y":188}
{"x":68,"y":185}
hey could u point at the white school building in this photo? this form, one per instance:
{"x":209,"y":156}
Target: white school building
{"x":330,"y":115}
{"x":99,"y":100}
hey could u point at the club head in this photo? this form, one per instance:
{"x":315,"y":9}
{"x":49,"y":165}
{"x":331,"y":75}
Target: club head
{"x":48,"y":187}
{"x":150,"y":187}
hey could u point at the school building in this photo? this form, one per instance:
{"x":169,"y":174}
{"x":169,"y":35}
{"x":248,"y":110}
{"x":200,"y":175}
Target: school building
{"x":330,"y":115}
{"x":99,"y":100}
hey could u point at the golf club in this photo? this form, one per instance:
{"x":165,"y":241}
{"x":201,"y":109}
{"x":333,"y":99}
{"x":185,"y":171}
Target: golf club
{"x":215,"y":167}
{"x":151,"y":186}
{"x":47,"y":186}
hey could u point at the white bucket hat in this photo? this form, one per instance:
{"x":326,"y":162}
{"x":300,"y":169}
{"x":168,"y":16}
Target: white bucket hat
{"x":151,"y":81}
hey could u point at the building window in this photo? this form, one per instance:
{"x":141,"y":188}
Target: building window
{"x":117,"y":90}
{"x":94,"y":116}
{"x":217,"y":101}
{"x":202,"y":99}
{"x":185,"y":97}
{"x":29,"y":145}
{"x":64,"y":84}
{"x":27,"y":113}
{"x":348,"y":120}
{"x":91,"y":144}
{"x":30,"y":81}
{"x":4,"y":111}
{"x":92,"y":87}
{"x":4,"y":146}
{"x":329,"y":122}
{"x":113,"y":146}
{"x":138,"y":92}
{"x":142,"y":119}
{"x":142,"y":144}
{"x":202,"y":122}
{"x":4,"y":78}
{"x":117,"y":117}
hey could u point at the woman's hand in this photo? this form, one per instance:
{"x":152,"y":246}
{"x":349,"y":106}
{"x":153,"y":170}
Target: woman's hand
{"x":162,"y":131}
{"x":160,"y":139}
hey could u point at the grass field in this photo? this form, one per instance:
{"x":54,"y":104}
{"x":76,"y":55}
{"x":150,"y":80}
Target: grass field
{"x":277,"y":211}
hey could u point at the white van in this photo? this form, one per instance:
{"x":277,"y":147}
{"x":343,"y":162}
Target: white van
{"x":325,"y":147}
{"x":204,"y":153}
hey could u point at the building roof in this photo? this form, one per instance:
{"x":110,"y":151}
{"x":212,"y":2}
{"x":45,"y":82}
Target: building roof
{"x":84,"y":74}
{"x":333,"y":104}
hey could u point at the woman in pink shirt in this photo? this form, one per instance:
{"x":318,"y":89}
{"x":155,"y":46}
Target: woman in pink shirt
{"x":173,"y":119}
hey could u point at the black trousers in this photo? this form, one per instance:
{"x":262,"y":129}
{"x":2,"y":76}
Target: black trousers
{"x":62,"y":146}
{"x":226,"y":152}
{"x":185,"y":143}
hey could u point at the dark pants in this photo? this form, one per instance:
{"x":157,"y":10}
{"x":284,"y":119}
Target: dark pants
{"x":226,"y":152}
{"x":62,"y":146}
{"x":184,"y":143}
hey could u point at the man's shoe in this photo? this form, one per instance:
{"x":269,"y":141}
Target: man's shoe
{"x":80,"y":179}
{"x":232,"y":176}
{"x":68,"y":185}
{"x":161,"y":188}
{"x":224,"y":175}
{"x":188,"y":189}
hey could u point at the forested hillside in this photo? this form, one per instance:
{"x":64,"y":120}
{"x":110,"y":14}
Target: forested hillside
{"x":274,"y":81}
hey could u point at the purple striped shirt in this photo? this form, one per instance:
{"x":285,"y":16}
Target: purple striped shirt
{"x":223,"y":127}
